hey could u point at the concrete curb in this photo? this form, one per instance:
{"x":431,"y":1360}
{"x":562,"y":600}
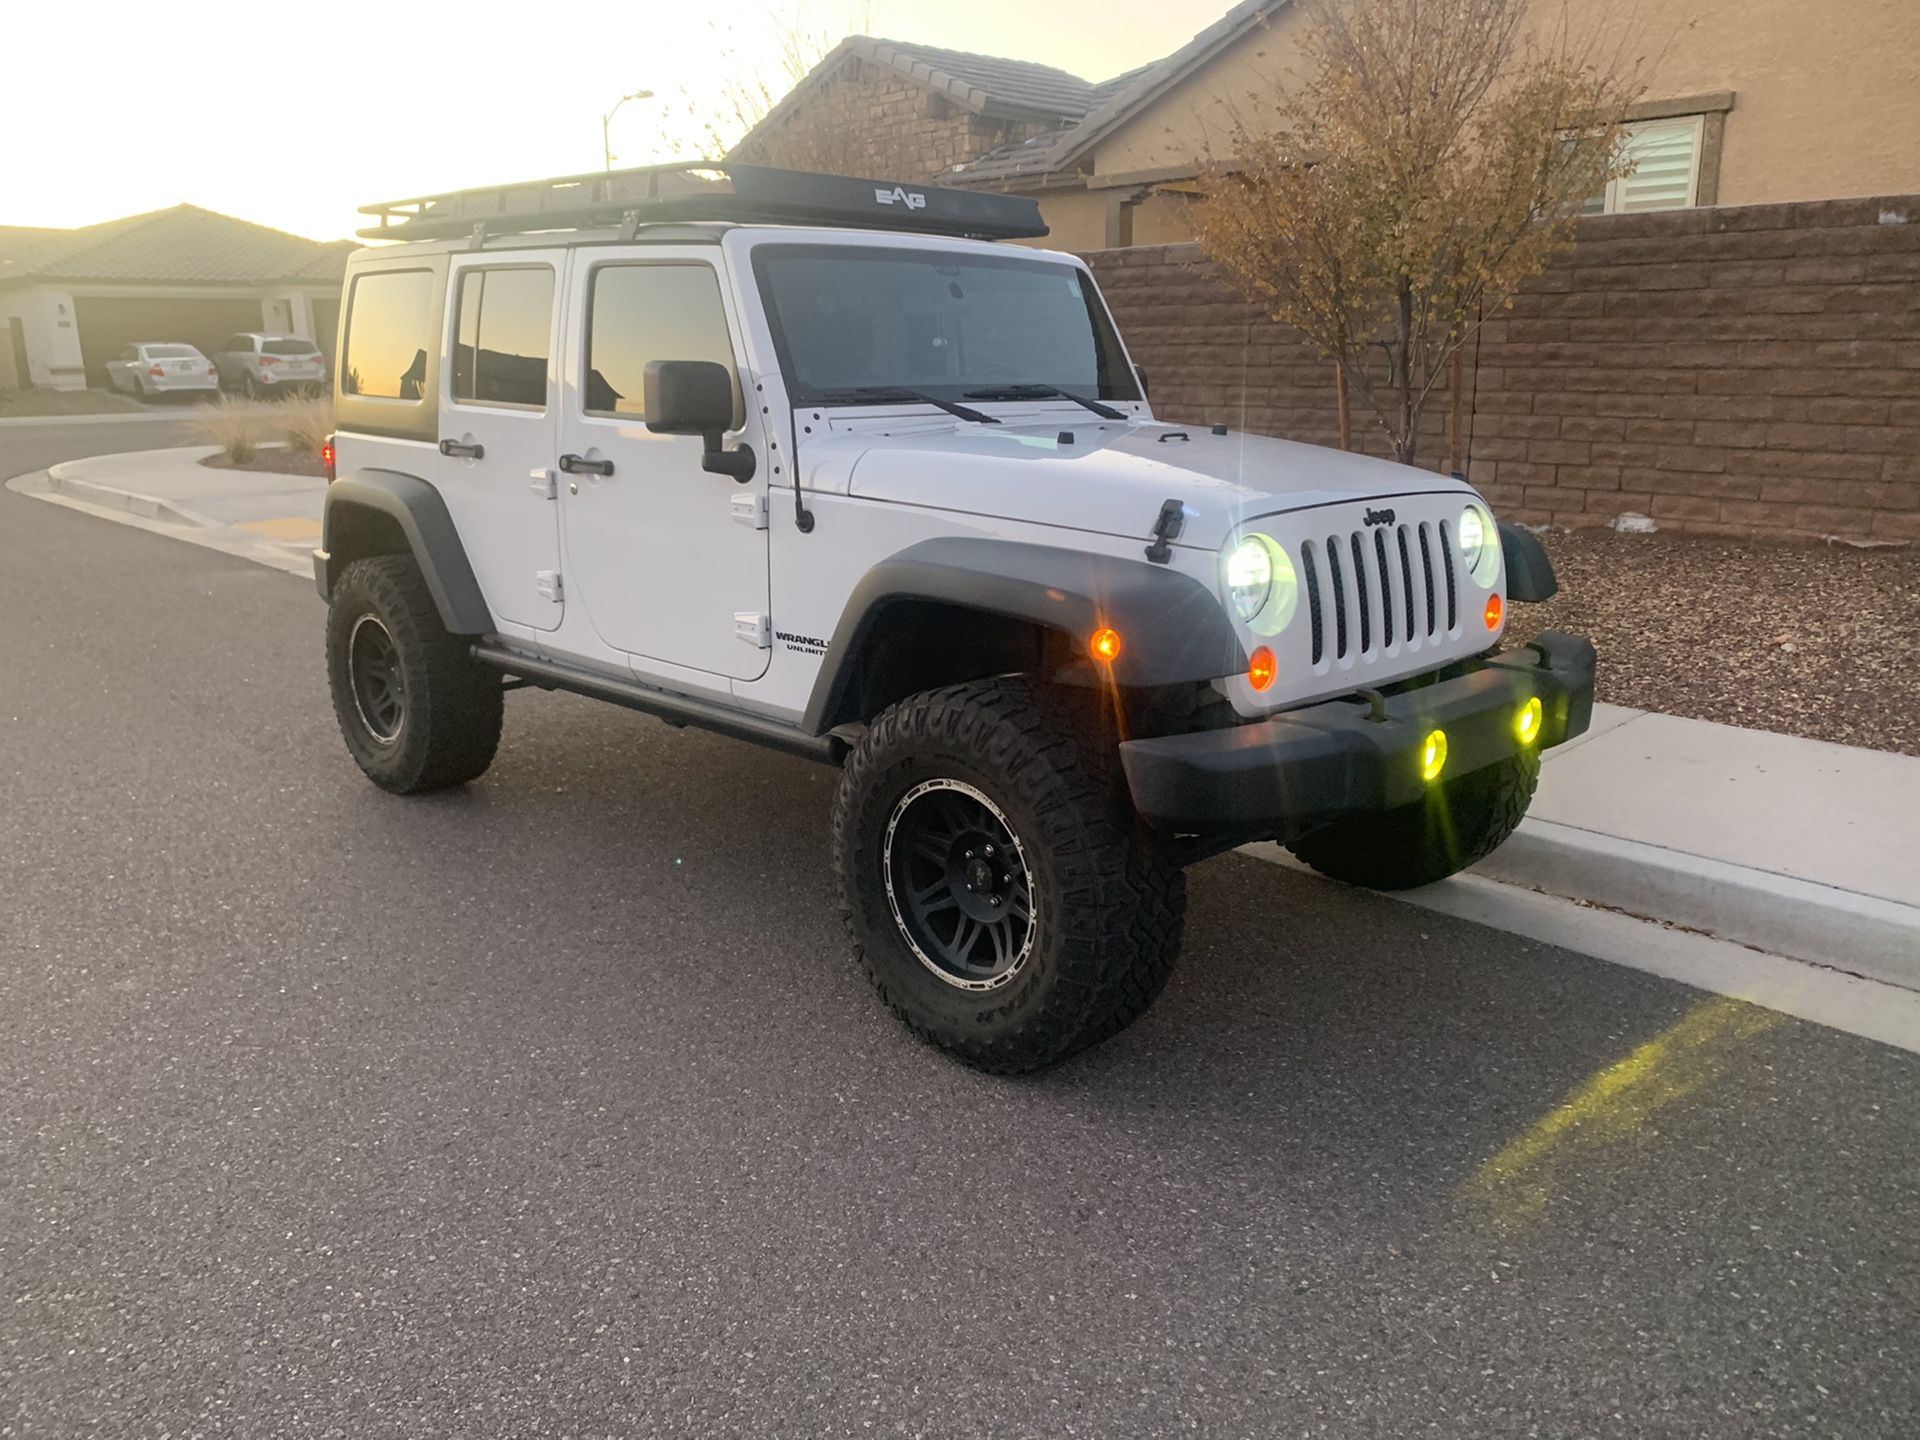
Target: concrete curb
{"x":112,"y":497}
{"x":1800,"y":919}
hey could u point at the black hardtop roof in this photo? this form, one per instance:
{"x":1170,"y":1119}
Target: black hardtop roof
{"x":705,"y":190}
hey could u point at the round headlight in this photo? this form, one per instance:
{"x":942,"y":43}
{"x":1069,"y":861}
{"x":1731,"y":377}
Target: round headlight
{"x":1261,"y":584}
{"x":1479,"y":547}
{"x":1249,"y":576}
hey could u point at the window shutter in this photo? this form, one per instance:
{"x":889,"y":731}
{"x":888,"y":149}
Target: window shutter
{"x":1666,"y":155}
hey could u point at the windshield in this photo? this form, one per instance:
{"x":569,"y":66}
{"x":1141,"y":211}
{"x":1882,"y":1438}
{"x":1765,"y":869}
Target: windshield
{"x":289,"y":347}
{"x":171,"y":352}
{"x":944,"y":323}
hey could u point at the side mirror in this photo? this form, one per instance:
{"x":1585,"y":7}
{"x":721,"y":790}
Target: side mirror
{"x":1141,"y":376}
{"x":695,"y":397}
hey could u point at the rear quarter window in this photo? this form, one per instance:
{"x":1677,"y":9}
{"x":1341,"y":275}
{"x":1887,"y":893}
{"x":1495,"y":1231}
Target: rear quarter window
{"x":389,"y":330}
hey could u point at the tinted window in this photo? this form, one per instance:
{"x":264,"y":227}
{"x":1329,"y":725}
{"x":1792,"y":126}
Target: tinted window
{"x":387,"y":335}
{"x":947,"y":323}
{"x":293,"y":346}
{"x":650,"y":312}
{"x":171,"y":352}
{"x":500,"y":349}
{"x":237,"y":342}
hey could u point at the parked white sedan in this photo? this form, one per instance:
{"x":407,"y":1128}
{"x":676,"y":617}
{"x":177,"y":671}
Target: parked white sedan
{"x":162,"y":368}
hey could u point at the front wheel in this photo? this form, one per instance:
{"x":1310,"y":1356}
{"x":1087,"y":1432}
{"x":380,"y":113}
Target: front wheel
{"x":1003,"y":897}
{"x":1452,"y":826}
{"x":417,"y":712}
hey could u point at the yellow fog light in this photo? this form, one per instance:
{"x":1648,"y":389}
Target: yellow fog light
{"x":1526,"y":721}
{"x":1433,"y":755}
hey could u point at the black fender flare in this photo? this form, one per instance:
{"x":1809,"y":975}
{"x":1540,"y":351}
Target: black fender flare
{"x":1172,"y":628}
{"x":420,"y":512}
{"x":1530,"y":574}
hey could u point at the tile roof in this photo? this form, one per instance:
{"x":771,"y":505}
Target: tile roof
{"x":1113,"y":103}
{"x":987,"y":82}
{"x":183,"y":245}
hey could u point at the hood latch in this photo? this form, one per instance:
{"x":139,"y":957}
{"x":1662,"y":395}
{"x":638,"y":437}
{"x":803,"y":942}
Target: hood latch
{"x":1166,"y":529}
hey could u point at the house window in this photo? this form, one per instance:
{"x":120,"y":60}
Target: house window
{"x":1666,"y":170}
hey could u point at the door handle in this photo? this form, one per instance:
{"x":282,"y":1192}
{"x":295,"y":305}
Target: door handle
{"x":577,"y":465}
{"x":469,"y":452}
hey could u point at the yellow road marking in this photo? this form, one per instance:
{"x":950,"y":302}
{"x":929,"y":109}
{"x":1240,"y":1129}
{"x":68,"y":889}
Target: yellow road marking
{"x":287,"y":527}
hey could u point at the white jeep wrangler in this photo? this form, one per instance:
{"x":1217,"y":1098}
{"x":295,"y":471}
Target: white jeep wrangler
{"x":810,"y":461}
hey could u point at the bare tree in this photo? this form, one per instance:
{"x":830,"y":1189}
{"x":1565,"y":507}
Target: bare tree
{"x":1432,"y":156}
{"x":810,"y":141}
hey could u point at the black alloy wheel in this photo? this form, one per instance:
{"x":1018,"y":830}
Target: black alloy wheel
{"x":958,"y":885}
{"x":379,"y":686}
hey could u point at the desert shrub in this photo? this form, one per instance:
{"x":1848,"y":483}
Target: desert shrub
{"x":237,"y":427}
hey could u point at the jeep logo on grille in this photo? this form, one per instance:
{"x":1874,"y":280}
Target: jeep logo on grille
{"x":900,"y":195}
{"x":1379,"y":517}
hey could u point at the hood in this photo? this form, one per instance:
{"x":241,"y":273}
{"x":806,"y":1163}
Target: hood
{"x":1113,"y":476}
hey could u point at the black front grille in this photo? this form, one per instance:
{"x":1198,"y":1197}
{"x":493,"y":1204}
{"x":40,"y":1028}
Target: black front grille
{"x":1379,"y":597}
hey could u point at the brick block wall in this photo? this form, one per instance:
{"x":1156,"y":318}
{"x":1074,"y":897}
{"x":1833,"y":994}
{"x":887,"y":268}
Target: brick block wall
{"x":1751,"y":371}
{"x":868,"y":119}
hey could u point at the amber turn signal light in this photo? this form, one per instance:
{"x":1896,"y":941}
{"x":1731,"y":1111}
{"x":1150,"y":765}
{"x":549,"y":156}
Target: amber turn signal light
{"x":1105,"y":645}
{"x":1494,"y":609}
{"x":1262,"y":668}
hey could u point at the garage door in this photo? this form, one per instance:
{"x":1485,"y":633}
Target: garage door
{"x":107,"y":324}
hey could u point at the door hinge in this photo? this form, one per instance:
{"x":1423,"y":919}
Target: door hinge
{"x":754,"y":628}
{"x":543,"y":484}
{"x":749,"y":508}
{"x":547,"y":583}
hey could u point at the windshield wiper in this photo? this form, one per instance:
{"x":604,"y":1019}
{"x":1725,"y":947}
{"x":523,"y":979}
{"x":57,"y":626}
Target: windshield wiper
{"x":1047,"y":392}
{"x":884,"y":393}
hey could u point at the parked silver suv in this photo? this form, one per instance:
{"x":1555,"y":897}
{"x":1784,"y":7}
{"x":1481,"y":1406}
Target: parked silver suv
{"x":262,"y":364}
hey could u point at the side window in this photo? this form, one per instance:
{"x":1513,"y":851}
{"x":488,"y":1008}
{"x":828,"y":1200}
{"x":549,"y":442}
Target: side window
{"x":638,"y":313}
{"x":500,"y":349}
{"x":388,"y":331}
{"x":127,"y":354}
{"x":235,"y":342}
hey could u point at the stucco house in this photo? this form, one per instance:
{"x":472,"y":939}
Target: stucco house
{"x":69,"y":299}
{"x":1745,"y":102}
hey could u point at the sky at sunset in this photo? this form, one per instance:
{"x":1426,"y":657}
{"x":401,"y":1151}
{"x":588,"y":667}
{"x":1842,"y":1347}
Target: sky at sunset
{"x":293,"y":115}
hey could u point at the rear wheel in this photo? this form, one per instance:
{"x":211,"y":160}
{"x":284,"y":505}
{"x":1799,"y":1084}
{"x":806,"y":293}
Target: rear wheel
{"x":1455,"y":824}
{"x":415,"y":709}
{"x":998,"y":888}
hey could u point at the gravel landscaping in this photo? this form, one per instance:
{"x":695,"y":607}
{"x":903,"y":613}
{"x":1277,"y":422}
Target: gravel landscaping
{"x":1814,"y":640}
{"x":274,"y":460}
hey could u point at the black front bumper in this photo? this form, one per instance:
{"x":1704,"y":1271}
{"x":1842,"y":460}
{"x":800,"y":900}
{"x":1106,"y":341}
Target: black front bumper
{"x":1282,"y":777}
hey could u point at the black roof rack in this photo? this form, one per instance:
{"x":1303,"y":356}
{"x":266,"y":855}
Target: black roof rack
{"x":705,"y":190}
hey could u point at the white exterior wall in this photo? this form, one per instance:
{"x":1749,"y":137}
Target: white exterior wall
{"x":53,"y":344}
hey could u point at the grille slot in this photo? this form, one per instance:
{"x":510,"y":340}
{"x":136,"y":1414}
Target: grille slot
{"x":1406,"y":575}
{"x":1311,"y":570}
{"x":1446,"y":556}
{"x":1386,"y":587}
{"x":1361,"y":588}
{"x":1339,"y":597}
{"x":1426,"y":565}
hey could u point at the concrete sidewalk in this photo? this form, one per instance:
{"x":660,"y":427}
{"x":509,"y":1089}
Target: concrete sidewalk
{"x":1795,"y":847}
{"x":1792,"y":846}
{"x":245,"y":507}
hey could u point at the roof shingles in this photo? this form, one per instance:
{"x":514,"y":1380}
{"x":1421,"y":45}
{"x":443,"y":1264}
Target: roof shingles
{"x":183,"y":245}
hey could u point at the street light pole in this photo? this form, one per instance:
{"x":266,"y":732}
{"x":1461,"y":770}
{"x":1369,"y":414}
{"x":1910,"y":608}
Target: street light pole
{"x":606,"y":145}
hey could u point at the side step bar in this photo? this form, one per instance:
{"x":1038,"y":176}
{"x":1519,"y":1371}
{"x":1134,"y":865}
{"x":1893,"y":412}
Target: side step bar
{"x":675,"y":709}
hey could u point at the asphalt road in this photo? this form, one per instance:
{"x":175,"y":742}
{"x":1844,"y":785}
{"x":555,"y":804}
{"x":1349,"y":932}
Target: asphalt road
{"x":556,"y":1108}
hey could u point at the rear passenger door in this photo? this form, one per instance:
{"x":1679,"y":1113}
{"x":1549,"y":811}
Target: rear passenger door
{"x":497,"y":424}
